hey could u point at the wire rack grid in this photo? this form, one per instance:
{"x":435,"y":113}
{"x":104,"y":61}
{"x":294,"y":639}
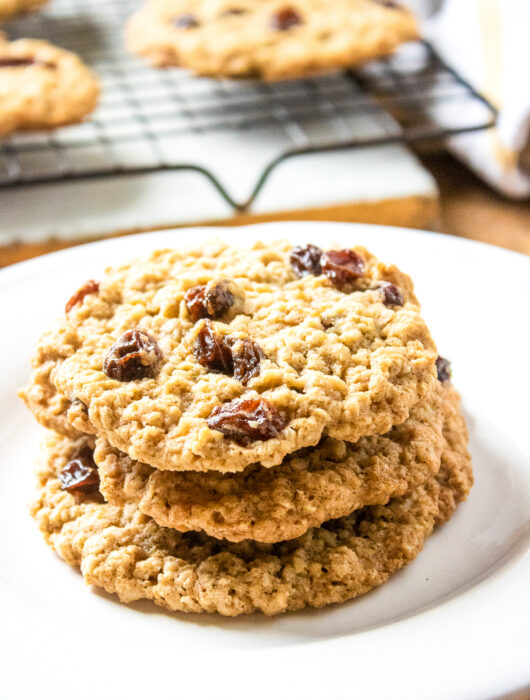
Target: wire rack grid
{"x":154,"y":120}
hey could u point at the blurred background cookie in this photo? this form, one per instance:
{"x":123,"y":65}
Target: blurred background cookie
{"x":267,"y":38}
{"x":8,"y":8}
{"x":43,"y":86}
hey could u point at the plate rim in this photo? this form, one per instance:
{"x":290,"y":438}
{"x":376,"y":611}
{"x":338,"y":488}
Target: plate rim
{"x":16,"y":269}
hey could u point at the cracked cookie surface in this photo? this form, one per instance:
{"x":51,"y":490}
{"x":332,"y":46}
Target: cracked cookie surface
{"x":126,"y":552}
{"x":309,"y":487}
{"x":340,"y":362}
{"x":43,"y":86}
{"x":271,"y":39}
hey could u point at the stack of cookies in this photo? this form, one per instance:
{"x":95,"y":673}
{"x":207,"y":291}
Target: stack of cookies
{"x":245,"y":430}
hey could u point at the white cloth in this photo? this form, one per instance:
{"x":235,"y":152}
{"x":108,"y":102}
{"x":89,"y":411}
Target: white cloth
{"x":488,"y":43}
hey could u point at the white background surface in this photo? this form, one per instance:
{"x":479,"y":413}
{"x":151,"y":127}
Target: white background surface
{"x":125,"y":203}
{"x":453,"y":624}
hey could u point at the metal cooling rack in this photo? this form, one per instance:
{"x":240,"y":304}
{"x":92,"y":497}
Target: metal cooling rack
{"x":148,"y":118}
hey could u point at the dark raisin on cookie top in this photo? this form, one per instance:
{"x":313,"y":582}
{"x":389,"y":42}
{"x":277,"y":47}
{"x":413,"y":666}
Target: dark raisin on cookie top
{"x":391,"y":294}
{"x":235,"y":357}
{"x":246,"y":357}
{"x":342,"y":268}
{"x":305,"y":260}
{"x":80,"y":477}
{"x":135,"y":355}
{"x":247,"y":420}
{"x":285,"y":18}
{"x":90,"y":287}
{"x":202,"y":302}
{"x":443,"y":369}
{"x":194,"y":300}
{"x":24,"y":61}
{"x":211,"y":350}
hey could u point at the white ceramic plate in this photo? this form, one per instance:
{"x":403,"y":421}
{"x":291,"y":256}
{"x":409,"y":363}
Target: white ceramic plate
{"x":453,"y":624}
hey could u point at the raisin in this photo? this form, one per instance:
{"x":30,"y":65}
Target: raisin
{"x":186,"y":21}
{"x":391,"y":294}
{"x":90,"y":287}
{"x":443,"y":369}
{"x":342,"y":268}
{"x":305,"y":260}
{"x":285,"y":19}
{"x":247,"y":420}
{"x":194,"y":300}
{"x":80,"y":477}
{"x":208,"y":304}
{"x":211,"y":350}
{"x":218,"y":299}
{"x":21,"y":62}
{"x":246,"y":358}
{"x":236,"y":357}
{"x":134,"y":355}
{"x":326,"y":322}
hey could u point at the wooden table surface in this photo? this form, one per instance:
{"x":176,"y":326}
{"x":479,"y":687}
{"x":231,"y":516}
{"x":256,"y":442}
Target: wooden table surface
{"x":470,"y":209}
